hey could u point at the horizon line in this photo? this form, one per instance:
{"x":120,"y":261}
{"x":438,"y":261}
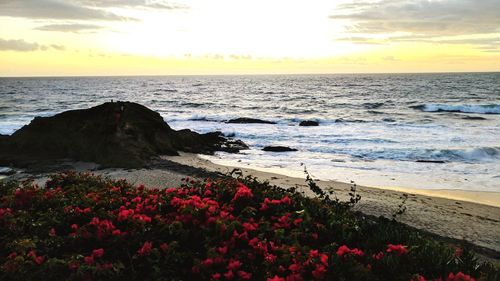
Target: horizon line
{"x":248,"y":74}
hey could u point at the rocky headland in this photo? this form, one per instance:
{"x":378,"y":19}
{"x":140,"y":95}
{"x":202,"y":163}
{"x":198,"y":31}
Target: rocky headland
{"x":117,"y":134}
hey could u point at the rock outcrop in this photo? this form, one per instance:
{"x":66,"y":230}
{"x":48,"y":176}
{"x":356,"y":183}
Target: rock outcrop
{"x":114,"y":134}
{"x":245,"y":120}
{"x":308,"y":123}
{"x":278,"y":149}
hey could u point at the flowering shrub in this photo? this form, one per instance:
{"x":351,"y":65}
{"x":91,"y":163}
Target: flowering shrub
{"x":82,"y":227}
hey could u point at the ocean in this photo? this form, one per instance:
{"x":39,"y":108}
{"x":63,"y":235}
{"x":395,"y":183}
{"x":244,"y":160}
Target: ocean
{"x":375,"y":129}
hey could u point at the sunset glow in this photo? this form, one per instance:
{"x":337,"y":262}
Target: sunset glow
{"x":132,"y":37}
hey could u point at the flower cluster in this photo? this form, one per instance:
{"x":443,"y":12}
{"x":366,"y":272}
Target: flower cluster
{"x":83,"y":227}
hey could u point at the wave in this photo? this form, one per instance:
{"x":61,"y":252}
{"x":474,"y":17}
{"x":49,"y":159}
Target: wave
{"x":474,"y":154}
{"x":465,"y":108}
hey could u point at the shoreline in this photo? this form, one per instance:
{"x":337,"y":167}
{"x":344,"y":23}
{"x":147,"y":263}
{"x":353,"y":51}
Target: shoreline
{"x":490,"y":198}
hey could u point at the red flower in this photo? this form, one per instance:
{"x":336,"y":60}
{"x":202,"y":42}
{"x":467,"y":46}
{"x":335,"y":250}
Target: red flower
{"x":244,"y":275}
{"x":74,"y":265}
{"x":324,"y":259}
{"x":459,"y":277}
{"x":343,"y":250}
{"x":294,"y":267}
{"x":398,"y":249}
{"x":97,"y":253}
{"x":378,"y":256}
{"x":89,"y":260}
{"x":418,"y":278}
{"x":229,"y":275}
{"x":208,"y":262}
{"x":242,"y":192}
{"x":270,"y":258}
{"x":52,"y":232}
{"x":286,"y":200}
{"x":216,"y":276}
{"x":276,"y":278}
{"x":39,"y":260}
{"x":319,"y":271}
{"x":233,"y":265}
{"x":164,"y":247}
{"x":145,"y":250}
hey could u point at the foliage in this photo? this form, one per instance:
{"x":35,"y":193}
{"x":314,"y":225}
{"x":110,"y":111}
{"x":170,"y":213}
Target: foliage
{"x":82,"y":227}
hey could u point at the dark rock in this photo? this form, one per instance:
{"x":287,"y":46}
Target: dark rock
{"x":278,"y":148}
{"x":473,"y":118}
{"x":119,"y":134}
{"x":245,"y":120}
{"x":309,"y":123}
{"x":431,"y":161}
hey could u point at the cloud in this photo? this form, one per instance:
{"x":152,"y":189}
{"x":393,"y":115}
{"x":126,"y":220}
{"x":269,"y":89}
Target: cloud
{"x":20,"y":45}
{"x":55,"y":9}
{"x":152,"y":4}
{"x":432,"y":18}
{"x":69,"y":27}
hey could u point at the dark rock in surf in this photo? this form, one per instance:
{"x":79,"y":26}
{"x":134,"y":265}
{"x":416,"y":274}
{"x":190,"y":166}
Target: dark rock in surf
{"x":431,"y":161}
{"x":309,"y":123}
{"x":114,"y":134}
{"x":473,"y":118}
{"x":278,"y":149}
{"x":245,"y":120}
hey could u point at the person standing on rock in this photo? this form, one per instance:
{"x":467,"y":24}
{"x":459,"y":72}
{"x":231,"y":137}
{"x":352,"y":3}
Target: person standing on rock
{"x":118,"y":114}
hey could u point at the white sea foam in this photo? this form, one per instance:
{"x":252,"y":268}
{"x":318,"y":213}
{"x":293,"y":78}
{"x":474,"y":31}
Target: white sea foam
{"x":465,"y":108}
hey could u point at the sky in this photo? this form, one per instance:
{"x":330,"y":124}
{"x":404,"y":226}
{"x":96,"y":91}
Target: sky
{"x":184,"y":37}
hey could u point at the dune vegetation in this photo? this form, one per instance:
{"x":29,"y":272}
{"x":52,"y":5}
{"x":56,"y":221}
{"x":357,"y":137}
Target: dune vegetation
{"x":83,"y":227}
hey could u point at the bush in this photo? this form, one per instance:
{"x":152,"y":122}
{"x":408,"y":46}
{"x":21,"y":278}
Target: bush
{"x":82,"y":227}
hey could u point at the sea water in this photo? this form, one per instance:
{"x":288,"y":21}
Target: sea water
{"x":377,"y":130}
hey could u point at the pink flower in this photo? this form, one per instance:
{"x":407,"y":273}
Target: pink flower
{"x":52,"y":232}
{"x":145,"y":250}
{"x":398,"y":249}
